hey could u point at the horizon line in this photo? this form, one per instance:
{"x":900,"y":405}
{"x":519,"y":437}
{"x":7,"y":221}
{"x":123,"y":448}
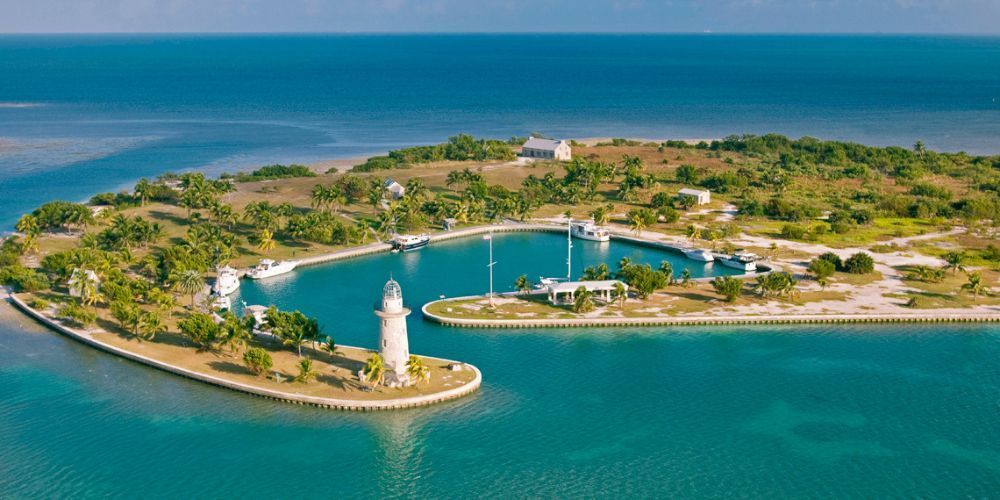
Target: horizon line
{"x":519,"y":33}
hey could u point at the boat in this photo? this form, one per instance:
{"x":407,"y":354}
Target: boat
{"x":227,"y":281}
{"x":698,"y":254}
{"x":221,"y":303}
{"x":407,"y":242}
{"x":268,"y":268}
{"x":744,"y":261}
{"x":589,"y":231}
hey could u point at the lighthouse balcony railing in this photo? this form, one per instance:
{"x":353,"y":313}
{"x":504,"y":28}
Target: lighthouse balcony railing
{"x":378,"y":305}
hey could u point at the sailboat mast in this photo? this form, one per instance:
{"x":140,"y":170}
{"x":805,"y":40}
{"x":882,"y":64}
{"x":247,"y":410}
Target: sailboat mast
{"x":569,"y":249}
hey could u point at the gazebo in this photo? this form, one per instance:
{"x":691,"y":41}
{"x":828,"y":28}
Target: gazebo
{"x":565,"y":292}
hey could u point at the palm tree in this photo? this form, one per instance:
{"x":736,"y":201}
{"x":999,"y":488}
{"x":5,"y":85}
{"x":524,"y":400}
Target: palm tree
{"x":637,"y":222}
{"x":601,"y":215}
{"x":142,"y":189}
{"x":128,"y":315}
{"x":955,"y":261}
{"x":685,"y":277}
{"x":918,"y":147}
{"x":189,"y":282}
{"x":583,"y":301}
{"x":416,"y":369}
{"x":266,"y":241}
{"x":319,"y":197}
{"x":975,"y":286}
{"x":693,"y":232}
{"x":416,"y":189}
{"x":150,"y":324}
{"x":374,"y":370}
{"x":306,"y":371}
{"x":28,"y":225}
{"x":619,"y":292}
{"x":522,"y":284}
{"x":85,"y":284}
{"x":237,"y":332}
{"x":668,"y":270}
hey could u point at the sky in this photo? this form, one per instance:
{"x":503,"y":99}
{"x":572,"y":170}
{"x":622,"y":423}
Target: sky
{"x":347,"y":16}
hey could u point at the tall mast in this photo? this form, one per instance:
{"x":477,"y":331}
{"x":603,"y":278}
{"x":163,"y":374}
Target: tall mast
{"x":569,"y":249}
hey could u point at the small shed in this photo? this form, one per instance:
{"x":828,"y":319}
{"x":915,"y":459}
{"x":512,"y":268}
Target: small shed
{"x":449,"y":223}
{"x":395,"y":189}
{"x":701,"y":197}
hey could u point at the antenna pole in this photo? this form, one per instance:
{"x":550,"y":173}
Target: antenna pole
{"x":569,"y":249}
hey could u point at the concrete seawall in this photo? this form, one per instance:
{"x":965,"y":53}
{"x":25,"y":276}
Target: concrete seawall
{"x":929,"y":317}
{"x":338,"y":404}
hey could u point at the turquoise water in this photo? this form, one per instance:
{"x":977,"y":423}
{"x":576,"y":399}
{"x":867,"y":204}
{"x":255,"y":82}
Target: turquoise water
{"x":83,"y":114}
{"x":804,"y":411}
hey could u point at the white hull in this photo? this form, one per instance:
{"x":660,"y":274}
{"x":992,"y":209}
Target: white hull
{"x":275,"y":269}
{"x":743,"y":266}
{"x":590,"y":232}
{"x":227,"y":281}
{"x":699,"y":255}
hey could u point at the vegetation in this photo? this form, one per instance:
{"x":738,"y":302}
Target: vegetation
{"x":859,"y":263}
{"x":728,"y":287}
{"x":417,"y":371}
{"x":458,"y":148}
{"x":258,"y":360}
{"x":272,"y":172}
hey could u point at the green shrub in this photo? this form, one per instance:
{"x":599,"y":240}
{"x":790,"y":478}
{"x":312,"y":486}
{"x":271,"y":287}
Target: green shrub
{"x":258,"y":360}
{"x":78,"y":314}
{"x":832,"y":258}
{"x":728,"y":287}
{"x":859,"y":263}
{"x":24,"y":279}
{"x":272,"y":172}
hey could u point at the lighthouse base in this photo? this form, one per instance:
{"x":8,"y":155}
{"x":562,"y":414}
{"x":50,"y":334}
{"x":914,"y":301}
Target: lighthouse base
{"x":393,"y":379}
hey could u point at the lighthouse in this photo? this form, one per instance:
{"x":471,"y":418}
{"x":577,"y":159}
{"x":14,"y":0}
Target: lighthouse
{"x":394,"y":348}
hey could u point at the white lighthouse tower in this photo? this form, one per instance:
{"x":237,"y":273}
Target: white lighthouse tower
{"x":393,"y":344}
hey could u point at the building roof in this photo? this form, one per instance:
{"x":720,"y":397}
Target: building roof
{"x":539,"y":143}
{"x":389,"y":183}
{"x":391,"y":290}
{"x":571,"y":286}
{"x":693,"y":192}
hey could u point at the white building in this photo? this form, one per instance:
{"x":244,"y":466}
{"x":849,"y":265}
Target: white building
{"x":395,"y":189}
{"x":547,"y":149}
{"x":393,"y":347}
{"x":565,"y":292}
{"x":701,"y":197}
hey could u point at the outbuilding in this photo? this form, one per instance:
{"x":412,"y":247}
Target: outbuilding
{"x":565,"y":292}
{"x":395,"y":189}
{"x":701,"y":197}
{"x":546,"y":149}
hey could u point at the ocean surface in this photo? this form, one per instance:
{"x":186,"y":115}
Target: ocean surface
{"x":83,"y":114}
{"x":702,"y":412}
{"x":795,"y":411}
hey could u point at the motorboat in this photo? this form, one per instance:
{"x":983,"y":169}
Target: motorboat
{"x":744,"y":261}
{"x":407,"y":242}
{"x":589,"y":231}
{"x":227,"y":281}
{"x":698,"y":254}
{"x":221,"y":303}
{"x":268,"y":268}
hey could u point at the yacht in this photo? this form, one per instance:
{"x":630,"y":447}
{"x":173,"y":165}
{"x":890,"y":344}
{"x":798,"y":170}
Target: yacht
{"x":744,"y":261}
{"x":227,"y":281}
{"x":698,"y":254}
{"x":268,"y":268}
{"x":221,"y":303}
{"x":589,"y":231}
{"x":407,"y":242}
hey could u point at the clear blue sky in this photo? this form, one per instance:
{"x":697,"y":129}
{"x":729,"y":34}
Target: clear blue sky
{"x":754,"y":16}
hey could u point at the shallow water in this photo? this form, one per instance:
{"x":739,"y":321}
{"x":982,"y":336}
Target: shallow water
{"x":790,"y":411}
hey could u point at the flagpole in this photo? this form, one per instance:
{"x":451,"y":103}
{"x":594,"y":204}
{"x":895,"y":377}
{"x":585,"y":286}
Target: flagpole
{"x":490,"y":265}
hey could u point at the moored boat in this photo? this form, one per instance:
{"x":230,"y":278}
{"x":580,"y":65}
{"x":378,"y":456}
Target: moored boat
{"x":698,"y":254}
{"x":589,"y":231}
{"x":407,"y":242}
{"x":268,"y":268}
{"x":227,"y":281}
{"x":221,"y":303}
{"x":744,"y":261}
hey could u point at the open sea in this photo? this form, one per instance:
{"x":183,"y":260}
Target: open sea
{"x":715,"y":412}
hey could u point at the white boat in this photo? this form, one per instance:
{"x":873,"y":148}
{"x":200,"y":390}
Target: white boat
{"x":744,"y":261}
{"x":227,"y":281}
{"x":589,"y":231}
{"x":221,"y":303}
{"x":407,"y":242}
{"x":268,"y":268}
{"x":699,"y":254}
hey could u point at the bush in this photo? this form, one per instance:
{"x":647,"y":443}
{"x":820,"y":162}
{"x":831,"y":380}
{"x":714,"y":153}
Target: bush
{"x":78,"y":314}
{"x":859,"y":263}
{"x":661,"y":199}
{"x":727,"y":286}
{"x":822,"y":268}
{"x":669,"y":214}
{"x":24,"y":279}
{"x":272,"y":172}
{"x":793,"y":232}
{"x":832,"y":258}
{"x":258,"y":360}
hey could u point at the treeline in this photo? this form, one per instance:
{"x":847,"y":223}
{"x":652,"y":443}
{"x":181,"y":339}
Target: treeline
{"x":271,"y":172}
{"x":461,"y":147}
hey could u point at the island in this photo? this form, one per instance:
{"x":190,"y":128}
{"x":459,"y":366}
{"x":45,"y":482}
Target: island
{"x":818,"y":231}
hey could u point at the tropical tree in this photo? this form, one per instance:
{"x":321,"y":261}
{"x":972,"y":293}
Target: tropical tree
{"x":374,"y":370}
{"x":668,"y":270}
{"x":596,"y":273}
{"x":265,"y":242}
{"x":143,"y":189}
{"x":522,"y":284}
{"x":693,"y":232}
{"x":859,"y":263}
{"x":128,"y":315}
{"x":306,"y":371}
{"x":954,"y":261}
{"x":150,"y":324}
{"x":728,"y":287}
{"x":85,"y":284}
{"x":620,"y":293}
{"x":975,"y":286}
{"x":257,"y":360}
{"x":685,"y":277}
{"x":583,"y":301}
{"x":189,"y":282}
{"x":416,"y":369}
{"x":236,"y":332}
{"x":640,"y":219}
{"x":601,"y":215}
{"x":202,"y":330}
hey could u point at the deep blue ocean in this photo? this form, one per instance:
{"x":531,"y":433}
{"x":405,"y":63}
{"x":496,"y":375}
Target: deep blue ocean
{"x":83,"y":114}
{"x":716,"y":412}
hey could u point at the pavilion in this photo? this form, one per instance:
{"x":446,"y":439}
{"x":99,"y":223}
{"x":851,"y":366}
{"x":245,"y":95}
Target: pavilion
{"x":565,"y":292}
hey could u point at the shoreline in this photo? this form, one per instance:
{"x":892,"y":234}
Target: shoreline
{"x":286,"y":397}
